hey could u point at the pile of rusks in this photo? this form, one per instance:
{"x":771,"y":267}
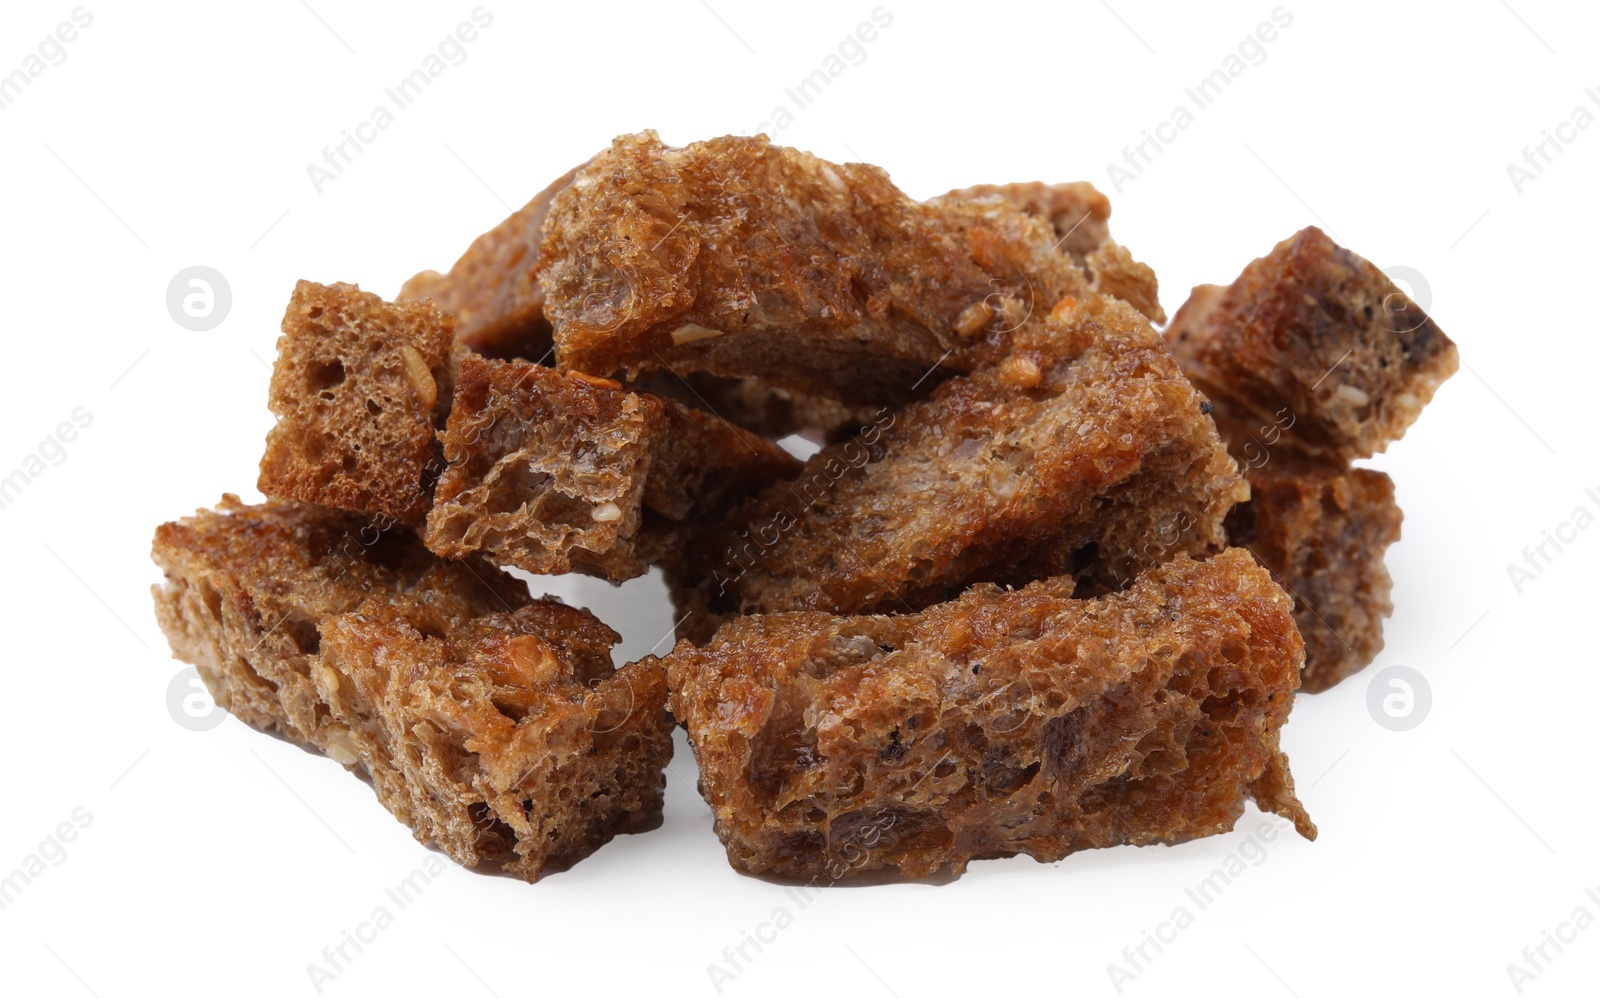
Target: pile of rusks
{"x":1051,"y":582}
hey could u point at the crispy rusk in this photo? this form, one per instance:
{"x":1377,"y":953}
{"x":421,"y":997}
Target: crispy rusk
{"x":1323,"y":531}
{"x":553,"y":473}
{"x":359,"y":387}
{"x":1313,"y":347}
{"x":739,"y":258}
{"x":1313,"y":358}
{"x":491,"y":724}
{"x":1000,"y":723}
{"x":1083,"y":452}
{"x":493,"y":290}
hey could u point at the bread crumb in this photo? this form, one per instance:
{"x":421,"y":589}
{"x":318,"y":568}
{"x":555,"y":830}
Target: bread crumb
{"x":690,"y":332}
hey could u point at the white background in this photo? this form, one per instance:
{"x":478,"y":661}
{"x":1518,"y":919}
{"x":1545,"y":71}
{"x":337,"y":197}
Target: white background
{"x":222,"y":862}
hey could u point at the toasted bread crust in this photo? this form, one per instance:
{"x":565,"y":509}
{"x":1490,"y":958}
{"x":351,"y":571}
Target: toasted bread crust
{"x":1323,"y":531}
{"x":1078,"y":212}
{"x":1314,"y":334}
{"x":1002,"y":722}
{"x":493,"y":290}
{"x":739,"y":258}
{"x":554,"y":473}
{"x":1313,"y":358}
{"x":1085,"y":452}
{"x":358,"y":388}
{"x":492,"y":725}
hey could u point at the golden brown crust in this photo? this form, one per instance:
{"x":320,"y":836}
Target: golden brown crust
{"x":248,"y":585}
{"x":1078,"y":213}
{"x":1312,"y":358}
{"x":1314,"y":334}
{"x":1002,"y":722}
{"x":554,"y":473}
{"x":493,"y":290}
{"x":1114,"y":272}
{"x":510,"y":740}
{"x":492,"y":725}
{"x":740,"y":258}
{"x":1323,"y":531}
{"x":358,"y":389}
{"x":1085,"y":452}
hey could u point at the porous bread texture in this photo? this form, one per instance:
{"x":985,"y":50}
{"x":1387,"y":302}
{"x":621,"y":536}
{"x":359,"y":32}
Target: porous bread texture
{"x":1113,"y":271}
{"x":493,"y":294}
{"x":1078,"y":212}
{"x":1313,"y":358}
{"x":248,"y":587}
{"x":556,"y":473}
{"x":1314,"y":346}
{"x":1324,"y":531}
{"x":999,"y":723}
{"x":359,"y":387}
{"x":493,"y":290}
{"x":1084,"y":452}
{"x":494,"y":726}
{"x":507,"y":739}
{"x":740,"y":258}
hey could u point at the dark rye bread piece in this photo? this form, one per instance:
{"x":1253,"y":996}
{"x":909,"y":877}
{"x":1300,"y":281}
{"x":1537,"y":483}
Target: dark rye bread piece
{"x":359,"y":388}
{"x":1323,"y":531}
{"x":739,"y":258}
{"x":1085,"y":452}
{"x":249,"y":586}
{"x":1078,"y":212}
{"x":1313,"y":358}
{"x":492,"y":725}
{"x":494,"y":296}
{"x":509,"y":738}
{"x":493,"y":290}
{"x":1000,"y":723}
{"x":554,"y":473}
{"x":1313,"y":334}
